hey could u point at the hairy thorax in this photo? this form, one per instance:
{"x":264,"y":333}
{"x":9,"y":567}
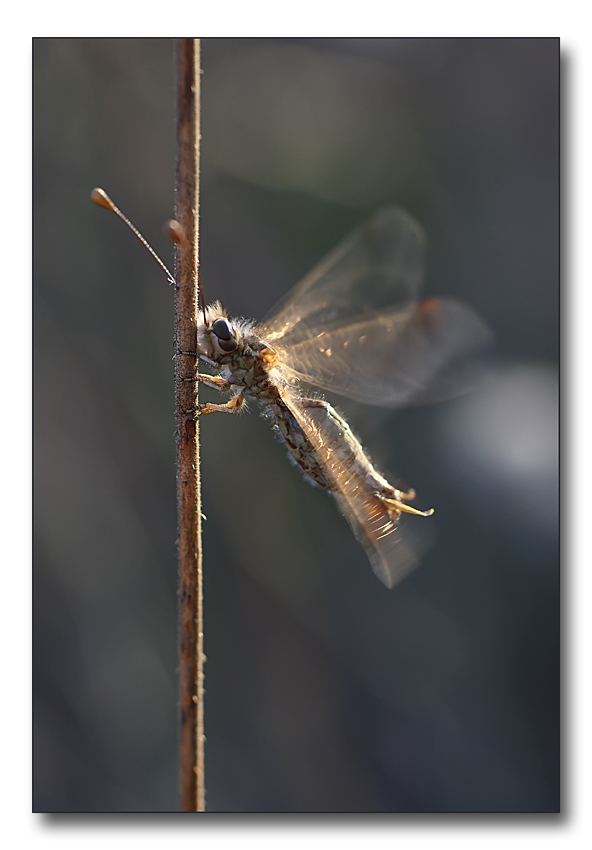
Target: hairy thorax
{"x":251,"y":367}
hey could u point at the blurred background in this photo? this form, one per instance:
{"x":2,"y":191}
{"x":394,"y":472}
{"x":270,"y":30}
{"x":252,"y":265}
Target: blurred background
{"x":324,"y":691}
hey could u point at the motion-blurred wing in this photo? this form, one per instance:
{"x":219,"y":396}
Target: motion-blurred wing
{"x":393,"y":547}
{"x":428,"y":351}
{"x":377,"y":267}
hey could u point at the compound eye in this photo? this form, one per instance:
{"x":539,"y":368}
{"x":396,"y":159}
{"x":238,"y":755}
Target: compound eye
{"x":223,"y":329}
{"x":226,"y":334}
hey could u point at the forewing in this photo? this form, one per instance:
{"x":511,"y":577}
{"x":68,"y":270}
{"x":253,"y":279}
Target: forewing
{"x":377,"y":267}
{"x":431,"y":351}
{"x":393,"y":547}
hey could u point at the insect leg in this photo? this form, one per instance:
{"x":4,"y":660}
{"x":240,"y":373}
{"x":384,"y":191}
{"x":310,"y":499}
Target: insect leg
{"x":232,"y":406}
{"x":213,"y":381}
{"x":202,"y":355}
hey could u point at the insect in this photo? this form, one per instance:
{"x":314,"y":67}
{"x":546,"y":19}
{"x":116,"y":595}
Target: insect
{"x":354,"y":326}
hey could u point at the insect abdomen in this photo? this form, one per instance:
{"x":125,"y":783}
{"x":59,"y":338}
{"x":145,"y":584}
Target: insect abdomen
{"x":341,"y":450}
{"x":299,"y":447}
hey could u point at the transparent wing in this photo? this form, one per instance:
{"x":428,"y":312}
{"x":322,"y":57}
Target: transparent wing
{"x":428,"y":351}
{"x":393,"y":547}
{"x":377,"y":267}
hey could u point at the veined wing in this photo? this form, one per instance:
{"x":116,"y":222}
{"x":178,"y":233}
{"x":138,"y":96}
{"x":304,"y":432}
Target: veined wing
{"x":377,"y":267}
{"x":426,"y":351}
{"x":392,"y":546}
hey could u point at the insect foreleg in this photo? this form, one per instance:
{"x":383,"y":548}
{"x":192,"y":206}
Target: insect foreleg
{"x":202,"y":355}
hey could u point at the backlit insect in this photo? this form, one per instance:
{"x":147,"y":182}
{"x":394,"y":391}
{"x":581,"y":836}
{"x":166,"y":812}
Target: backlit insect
{"x":353,"y":326}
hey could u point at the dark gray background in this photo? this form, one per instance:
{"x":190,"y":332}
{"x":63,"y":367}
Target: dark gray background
{"x":325,"y":691}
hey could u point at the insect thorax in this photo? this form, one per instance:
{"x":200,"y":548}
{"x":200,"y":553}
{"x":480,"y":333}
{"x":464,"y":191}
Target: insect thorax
{"x":250,"y":366}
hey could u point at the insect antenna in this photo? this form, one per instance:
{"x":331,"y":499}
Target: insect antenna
{"x":175,"y":232}
{"x":102,"y":199}
{"x":201,"y":298}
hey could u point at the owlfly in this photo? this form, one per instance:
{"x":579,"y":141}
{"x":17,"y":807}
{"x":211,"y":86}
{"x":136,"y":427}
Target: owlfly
{"x":353,"y":326}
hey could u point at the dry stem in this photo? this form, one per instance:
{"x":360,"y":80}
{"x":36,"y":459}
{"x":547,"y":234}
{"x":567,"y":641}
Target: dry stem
{"x":188,"y":482}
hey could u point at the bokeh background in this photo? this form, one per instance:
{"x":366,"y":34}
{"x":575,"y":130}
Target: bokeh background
{"x":324,"y":691}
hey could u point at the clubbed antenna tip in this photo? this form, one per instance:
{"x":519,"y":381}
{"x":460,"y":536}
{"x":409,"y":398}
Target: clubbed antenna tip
{"x":175,"y":232}
{"x":102,"y":199}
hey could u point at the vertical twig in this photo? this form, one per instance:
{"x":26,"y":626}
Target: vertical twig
{"x":188,"y":482}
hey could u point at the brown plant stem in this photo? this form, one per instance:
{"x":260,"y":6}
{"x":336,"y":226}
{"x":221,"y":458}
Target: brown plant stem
{"x":191,"y":655}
